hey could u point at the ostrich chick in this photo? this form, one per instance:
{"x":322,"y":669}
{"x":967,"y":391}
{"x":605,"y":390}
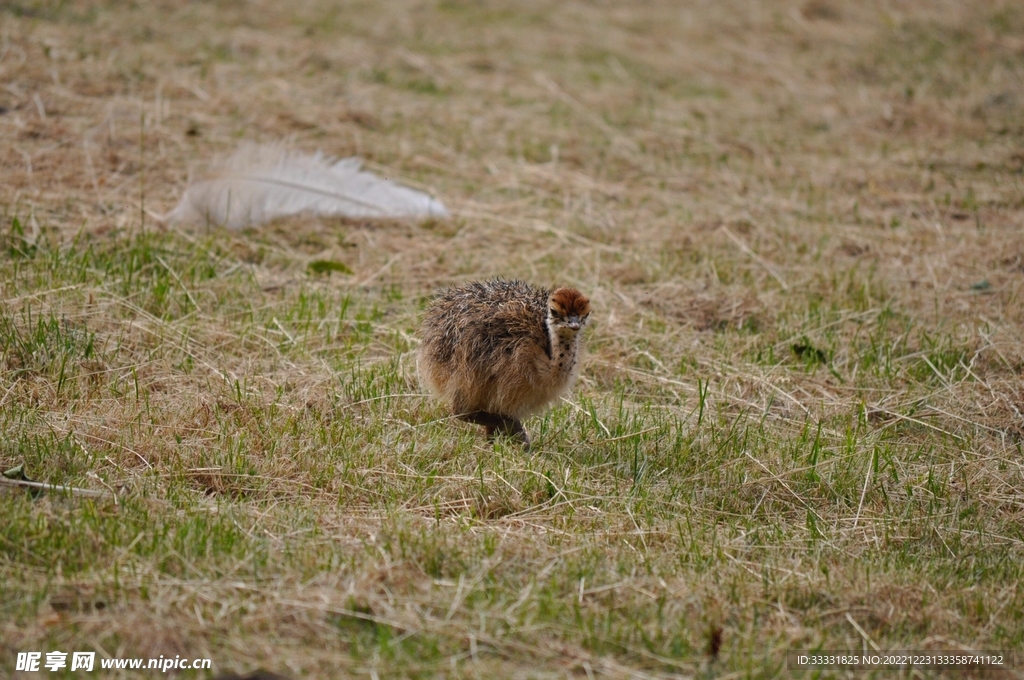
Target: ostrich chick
{"x":499,"y":351}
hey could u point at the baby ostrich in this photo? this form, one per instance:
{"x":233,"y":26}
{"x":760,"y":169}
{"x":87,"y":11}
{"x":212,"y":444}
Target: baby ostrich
{"x":499,"y":351}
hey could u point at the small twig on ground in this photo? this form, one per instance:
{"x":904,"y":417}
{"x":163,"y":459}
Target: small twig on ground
{"x":864,"y":491}
{"x":181,"y":283}
{"x":74,"y":491}
{"x":769,"y":267}
{"x":863,"y":634}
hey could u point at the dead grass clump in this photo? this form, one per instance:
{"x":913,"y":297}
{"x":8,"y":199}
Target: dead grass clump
{"x":737,"y":310}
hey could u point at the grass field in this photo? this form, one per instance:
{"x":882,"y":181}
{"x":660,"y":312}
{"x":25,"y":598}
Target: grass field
{"x":798,"y":423}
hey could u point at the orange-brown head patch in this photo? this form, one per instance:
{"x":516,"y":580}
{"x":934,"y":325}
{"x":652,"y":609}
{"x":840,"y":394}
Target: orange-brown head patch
{"x":570,"y":302}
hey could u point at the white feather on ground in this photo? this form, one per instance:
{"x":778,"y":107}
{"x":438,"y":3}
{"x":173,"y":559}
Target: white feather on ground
{"x":257,"y":184}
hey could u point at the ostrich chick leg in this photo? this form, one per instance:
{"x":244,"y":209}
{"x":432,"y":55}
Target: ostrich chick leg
{"x":495,"y":424}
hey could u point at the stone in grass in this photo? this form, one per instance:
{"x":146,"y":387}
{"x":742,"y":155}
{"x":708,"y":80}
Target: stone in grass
{"x":17,"y":473}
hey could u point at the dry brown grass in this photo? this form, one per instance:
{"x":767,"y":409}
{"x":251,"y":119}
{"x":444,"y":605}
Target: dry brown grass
{"x":799,"y":423}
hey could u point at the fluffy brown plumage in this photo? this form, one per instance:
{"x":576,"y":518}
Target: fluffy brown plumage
{"x":499,"y":351}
